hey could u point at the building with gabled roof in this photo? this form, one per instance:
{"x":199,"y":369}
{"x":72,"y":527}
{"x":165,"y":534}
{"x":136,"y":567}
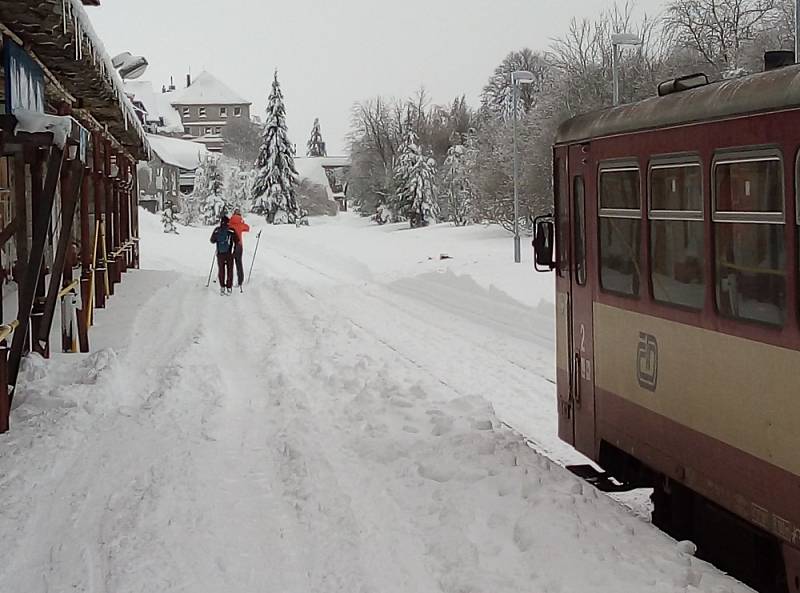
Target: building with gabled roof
{"x":205,"y":106}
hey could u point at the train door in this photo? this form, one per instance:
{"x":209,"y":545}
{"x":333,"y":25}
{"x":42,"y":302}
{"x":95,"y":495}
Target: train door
{"x":581,"y":301}
{"x":564,"y":358}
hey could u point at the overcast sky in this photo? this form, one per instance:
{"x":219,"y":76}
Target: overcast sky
{"x":331,"y":53}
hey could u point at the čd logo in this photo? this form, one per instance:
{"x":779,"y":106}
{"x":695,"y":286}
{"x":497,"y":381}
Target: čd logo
{"x":647,"y":362}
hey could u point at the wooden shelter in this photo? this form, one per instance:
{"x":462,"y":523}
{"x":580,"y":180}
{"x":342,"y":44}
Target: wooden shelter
{"x":69,"y":145}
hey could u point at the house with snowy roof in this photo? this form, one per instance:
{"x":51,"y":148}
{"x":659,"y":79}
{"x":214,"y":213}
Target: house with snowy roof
{"x":154,"y":108}
{"x":171,"y":167}
{"x":205,"y":106}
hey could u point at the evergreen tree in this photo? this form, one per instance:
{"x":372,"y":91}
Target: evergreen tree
{"x":415,"y":178}
{"x":274,"y":186}
{"x":209,"y":191}
{"x":168,"y":218}
{"x":316,"y":146}
{"x":457,"y":186}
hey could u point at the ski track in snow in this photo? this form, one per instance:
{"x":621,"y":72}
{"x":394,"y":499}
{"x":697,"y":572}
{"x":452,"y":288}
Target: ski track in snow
{"x":321,"y":433}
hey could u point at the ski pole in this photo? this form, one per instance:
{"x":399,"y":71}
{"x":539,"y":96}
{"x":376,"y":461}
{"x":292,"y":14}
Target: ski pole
{"x":250,"y":273}
{"x":211,"y":271}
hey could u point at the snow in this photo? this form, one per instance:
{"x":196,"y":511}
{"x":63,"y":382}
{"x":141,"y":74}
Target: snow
{"x":340,"y":426}
{"x":32,"y":122}
{"x":157,"y":105}
{"x":312,"y":169}
{"x":177,"y":152}
{"x":207,"y":89}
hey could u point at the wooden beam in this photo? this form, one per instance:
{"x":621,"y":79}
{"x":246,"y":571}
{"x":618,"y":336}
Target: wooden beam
{"x":69,"y":200}
{"x":99,"y":209}
{"x":86,"y":265}
{"x":31,"y":276}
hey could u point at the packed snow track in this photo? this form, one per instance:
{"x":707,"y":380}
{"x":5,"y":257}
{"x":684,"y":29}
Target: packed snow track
{"x":332,"y":429}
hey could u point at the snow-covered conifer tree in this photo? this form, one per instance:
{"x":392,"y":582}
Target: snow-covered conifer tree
{"x":274,"y":186}
{"x":316,"y":146}
{"x":168,"y":218}
{"x":209,"y":191}
{"x":456,"y":186}
{"x":415,"y":179}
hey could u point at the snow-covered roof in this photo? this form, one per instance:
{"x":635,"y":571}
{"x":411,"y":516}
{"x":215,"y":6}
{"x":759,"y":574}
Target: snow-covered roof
{"x":335,"y":161}
{"x":176,"y":152}
{"x":313,"y":170}
{"x":207,"y":89}
{"x":60,"y":34}
{"x":157,"y":105}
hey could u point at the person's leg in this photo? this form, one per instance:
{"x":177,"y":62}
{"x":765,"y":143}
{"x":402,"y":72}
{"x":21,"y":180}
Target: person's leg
{"x":229,"y":279}
{"x":221,"y":270}
{"x":238,"y":254}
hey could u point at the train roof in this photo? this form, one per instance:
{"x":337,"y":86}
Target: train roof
{"x":756,"y":93}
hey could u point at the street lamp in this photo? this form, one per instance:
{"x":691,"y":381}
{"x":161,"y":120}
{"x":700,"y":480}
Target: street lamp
{"x":617,"y":40}
{"x":517,"y":78}
{"x":129,"y":66}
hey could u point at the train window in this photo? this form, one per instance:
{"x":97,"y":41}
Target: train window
{"x":562,"y":222}
{"x":677,"y":250}
{"x":749,"y":238}
{"x":579,"y":196}
{"x":620,"y":230}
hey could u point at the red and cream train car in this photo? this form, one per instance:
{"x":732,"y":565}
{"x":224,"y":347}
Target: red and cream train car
{"x":678,"y":311}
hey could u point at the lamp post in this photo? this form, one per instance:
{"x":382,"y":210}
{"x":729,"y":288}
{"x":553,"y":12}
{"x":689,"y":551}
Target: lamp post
{"x":797,"y":31}
{"x":517,"y":78}
{"x":617,"y":40}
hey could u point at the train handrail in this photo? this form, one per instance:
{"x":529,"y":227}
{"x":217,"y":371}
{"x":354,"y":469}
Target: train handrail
{"x":7,"y":329}
{"x":68,"y":288}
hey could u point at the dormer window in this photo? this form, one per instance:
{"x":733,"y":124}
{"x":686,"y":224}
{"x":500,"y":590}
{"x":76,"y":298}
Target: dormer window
{"x":202,"y":112}
{"x":237,"y":112}
{"x":223,"y":112}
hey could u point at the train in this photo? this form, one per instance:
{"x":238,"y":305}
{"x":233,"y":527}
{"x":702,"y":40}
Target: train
{"x":674,"y":242}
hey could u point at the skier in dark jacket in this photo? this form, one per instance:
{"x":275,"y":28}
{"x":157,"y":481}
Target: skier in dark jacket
{"x":225,"y":238}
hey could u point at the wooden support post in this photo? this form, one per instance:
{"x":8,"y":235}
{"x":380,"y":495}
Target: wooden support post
{"x":122,"y":210}
{"x":70,"y":193}
{"x":5,"y":398}
{"x":33,"y":269}
{"x":109,"y":231}
{"x":101,"y":269}
{"x":37,"y":203}
{"x":84,"y":315}
{"x":21,"y":208}
{"x":135,"y":216}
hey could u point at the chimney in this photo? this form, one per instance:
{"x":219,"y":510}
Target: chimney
{"x":188,"y":80}
{"x":778,"y":59}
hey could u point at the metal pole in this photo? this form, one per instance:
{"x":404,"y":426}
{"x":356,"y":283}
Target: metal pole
{"x":797,"y":31}
{"x":615,"y":70}
{"x":517,"y":252}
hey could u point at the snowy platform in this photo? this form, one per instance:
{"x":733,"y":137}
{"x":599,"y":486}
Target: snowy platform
{"x":340,"y":426}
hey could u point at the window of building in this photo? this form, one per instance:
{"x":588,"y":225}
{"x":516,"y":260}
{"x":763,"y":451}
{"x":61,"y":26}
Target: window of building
{"x":202,"y":112}
{"x":620,"y":229}
{"x":187,"y":130}
{"x":217,"y":130}
{"x":223,"y":112}
{"x":579,"y":197}
{"x":677,"y":249}
{"x":237,"y":112}
{"x":562,"y":210}
{"x":750,"y":246}
{"x":208,"y":130}
{"x":186,"y":112}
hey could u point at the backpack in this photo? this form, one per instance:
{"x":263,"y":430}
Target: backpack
{"x":223,"y":237}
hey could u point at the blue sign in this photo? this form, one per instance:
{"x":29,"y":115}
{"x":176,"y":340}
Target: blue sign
{"x":24,"y":80}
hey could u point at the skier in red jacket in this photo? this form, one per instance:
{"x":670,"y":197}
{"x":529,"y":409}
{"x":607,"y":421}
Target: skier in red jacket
{"x":238,"y":224}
